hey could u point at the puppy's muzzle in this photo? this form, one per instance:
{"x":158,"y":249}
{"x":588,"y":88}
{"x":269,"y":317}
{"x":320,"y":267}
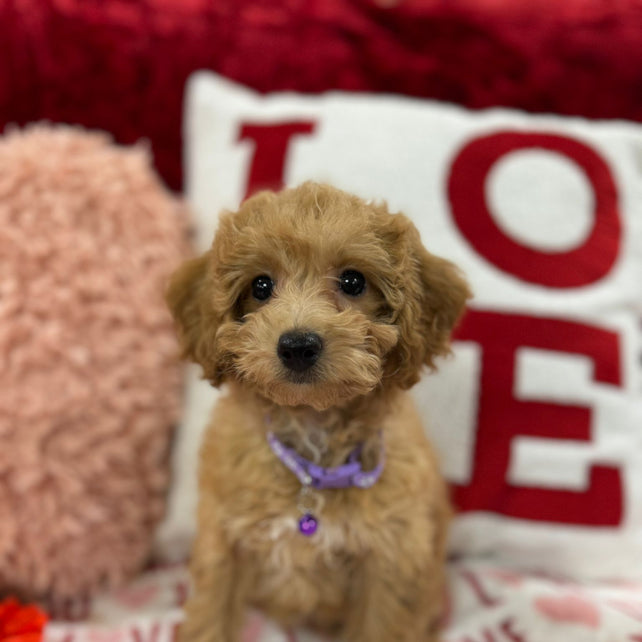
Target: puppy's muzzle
{"x":299,"y":351}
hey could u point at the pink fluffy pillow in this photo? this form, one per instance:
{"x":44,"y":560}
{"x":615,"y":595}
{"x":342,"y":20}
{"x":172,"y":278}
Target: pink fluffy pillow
{"x":89,"y":380}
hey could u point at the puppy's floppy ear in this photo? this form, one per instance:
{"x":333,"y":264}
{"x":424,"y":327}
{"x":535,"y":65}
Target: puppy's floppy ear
{"x":188,"y":297}
{"x":435,"y":294}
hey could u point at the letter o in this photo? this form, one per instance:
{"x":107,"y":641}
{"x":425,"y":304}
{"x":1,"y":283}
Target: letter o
{"x":580,"y":266}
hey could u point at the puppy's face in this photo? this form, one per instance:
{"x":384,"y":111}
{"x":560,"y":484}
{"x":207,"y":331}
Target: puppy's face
{"x":314,"y":297}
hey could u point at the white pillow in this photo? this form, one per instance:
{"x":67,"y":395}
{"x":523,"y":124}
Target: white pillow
{"x":538,"y":418}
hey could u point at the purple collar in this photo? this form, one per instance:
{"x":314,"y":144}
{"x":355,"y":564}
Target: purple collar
{"x":310,"y":474}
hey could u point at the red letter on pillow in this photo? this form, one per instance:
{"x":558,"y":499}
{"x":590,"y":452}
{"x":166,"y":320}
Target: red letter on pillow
{"x":268,"y":161}
{"x":580,"y":266}
{"x":501,"y":418}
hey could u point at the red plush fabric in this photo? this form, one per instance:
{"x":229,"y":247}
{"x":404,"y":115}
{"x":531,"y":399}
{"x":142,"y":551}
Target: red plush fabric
{"x":121,"y":65}
{"x":21,"y":623}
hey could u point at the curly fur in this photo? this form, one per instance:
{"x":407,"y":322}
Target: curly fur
{"x":374,"y":569}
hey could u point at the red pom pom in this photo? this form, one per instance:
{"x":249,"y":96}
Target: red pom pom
{"x":20,"y":623}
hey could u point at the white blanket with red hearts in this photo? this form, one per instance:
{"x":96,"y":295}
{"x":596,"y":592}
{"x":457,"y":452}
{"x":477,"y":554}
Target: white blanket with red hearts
{"x":486,"y":604}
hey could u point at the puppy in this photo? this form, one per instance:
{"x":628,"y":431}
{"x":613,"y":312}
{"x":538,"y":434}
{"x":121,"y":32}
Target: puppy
{"x":320,"y":501}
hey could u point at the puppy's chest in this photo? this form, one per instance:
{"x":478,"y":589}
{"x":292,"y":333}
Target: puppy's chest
{"x":273,"y":528}
{"x":284,"y":559}
{"x":262,"y":502}
{"x":263,"y":521}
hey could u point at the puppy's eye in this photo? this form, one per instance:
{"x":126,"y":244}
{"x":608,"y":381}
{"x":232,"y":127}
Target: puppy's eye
{"x":352,"y":283}
{"x":262,"y":287}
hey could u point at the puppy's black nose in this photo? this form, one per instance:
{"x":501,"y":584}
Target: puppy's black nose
{"x":299,"y":351}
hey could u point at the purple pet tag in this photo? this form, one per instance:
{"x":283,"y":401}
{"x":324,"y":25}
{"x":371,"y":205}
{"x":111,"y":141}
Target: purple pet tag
{"x":308,"y":525}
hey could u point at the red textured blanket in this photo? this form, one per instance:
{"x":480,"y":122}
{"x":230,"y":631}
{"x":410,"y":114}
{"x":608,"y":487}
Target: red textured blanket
{"x":121,"y":65}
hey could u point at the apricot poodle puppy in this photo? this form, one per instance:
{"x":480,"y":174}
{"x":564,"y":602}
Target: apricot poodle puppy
{"x":320,"y":501}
